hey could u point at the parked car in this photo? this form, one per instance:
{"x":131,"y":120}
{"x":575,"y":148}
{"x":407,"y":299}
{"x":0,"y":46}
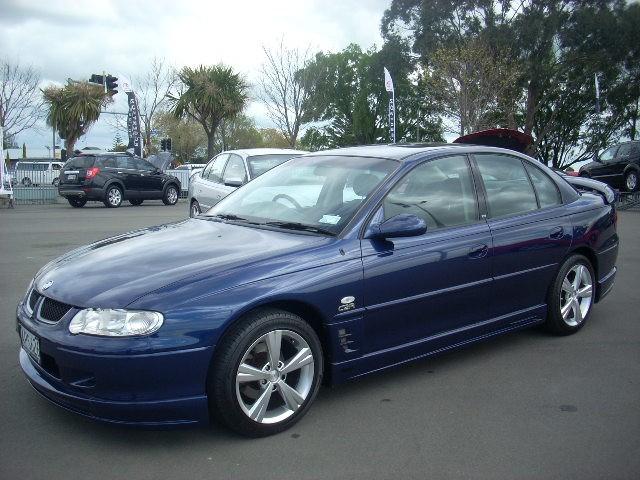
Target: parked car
{"x":229,"y":170}
{"x":192,"y":167}
{"x":28,"y":173}
{"x":112,"y":178}
{"x":332,"y":266}
{"x":618,"y":166}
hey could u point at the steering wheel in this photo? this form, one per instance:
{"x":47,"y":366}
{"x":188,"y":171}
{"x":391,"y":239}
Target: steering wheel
{"x":290,"y":199}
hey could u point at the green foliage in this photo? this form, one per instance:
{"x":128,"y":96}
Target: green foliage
{"x":188,"y":140}
{"x":72,"y":109}
{"x":210,"y":95}
{"x":118,"y":144}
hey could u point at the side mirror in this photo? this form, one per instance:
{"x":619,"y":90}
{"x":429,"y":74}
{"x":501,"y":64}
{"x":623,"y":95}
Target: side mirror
{"x":403,"y":225}
{"x":233,"y":182}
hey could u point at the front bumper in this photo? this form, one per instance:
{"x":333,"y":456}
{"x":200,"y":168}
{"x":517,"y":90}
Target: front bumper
{"x":145,"y":388}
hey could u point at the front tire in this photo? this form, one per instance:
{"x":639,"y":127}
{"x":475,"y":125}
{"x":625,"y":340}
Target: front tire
{"x":571,"y":296}
{"x":113,"y":197}
{"x":266,"y":373}
{"x":77,"y":202}
{"x":631,"y":181}
{"x":194,"y":211}
{"x":170,"y":196}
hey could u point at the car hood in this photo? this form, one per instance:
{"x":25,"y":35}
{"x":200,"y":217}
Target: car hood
{"x":114,"y":272}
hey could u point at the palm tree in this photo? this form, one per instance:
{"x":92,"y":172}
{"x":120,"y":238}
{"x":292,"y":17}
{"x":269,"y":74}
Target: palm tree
{"x":210,"y":95}
{"x":73,"y":109}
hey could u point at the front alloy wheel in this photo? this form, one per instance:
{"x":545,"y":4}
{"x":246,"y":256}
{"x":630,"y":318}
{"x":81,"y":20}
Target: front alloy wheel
{"x":113,"y":197}
{"x":631,"y":181}
{"x":195,"y":209}
{"x":266,"y":373}
{"x":170,"y":195}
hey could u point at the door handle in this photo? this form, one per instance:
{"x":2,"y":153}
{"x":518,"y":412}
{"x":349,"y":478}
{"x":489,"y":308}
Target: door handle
{"x":556,"y":233}
{"x":479,"y":251}
{"x":119,"y":172}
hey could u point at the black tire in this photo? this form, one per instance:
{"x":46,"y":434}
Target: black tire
{"x":113,"y":196}
{"x":555,"y":323}
{"x":77,"y":202}
{"x":136,"y":201}
{"x":26,"y":182}
{"x":221,"y":384}
{"x":171,"y":195}
{"x":55,"y":182}
{"x":194,"y":210}
{"x":631,"y":181}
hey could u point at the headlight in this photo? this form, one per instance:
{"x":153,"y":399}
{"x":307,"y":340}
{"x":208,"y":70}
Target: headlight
{"x":25,"y":300}
{"x":115,"y":323}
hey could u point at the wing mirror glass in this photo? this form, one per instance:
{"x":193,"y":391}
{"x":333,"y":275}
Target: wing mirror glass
{"x":403,"y":225}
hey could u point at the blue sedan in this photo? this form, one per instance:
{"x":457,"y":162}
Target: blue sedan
{"x":333,"y":266}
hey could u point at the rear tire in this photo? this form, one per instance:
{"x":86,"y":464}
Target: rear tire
{"x":113,"y":197}
{"x":77,"y":202}
{"x":631,"y":181}
{"x":571,"y":296}
{"x":258,"y":400}
{"x":55,"y":182}
{"x":194,"y":211}
{"x":171,"y":194}
{"x":136,"y":201}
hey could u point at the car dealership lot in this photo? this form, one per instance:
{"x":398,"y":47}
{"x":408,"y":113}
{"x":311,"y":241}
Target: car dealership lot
{"x":527,"y":405}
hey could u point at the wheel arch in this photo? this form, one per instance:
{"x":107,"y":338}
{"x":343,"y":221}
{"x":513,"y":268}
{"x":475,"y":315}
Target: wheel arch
{"x":590,"y":255}
{"x":118,"y":183}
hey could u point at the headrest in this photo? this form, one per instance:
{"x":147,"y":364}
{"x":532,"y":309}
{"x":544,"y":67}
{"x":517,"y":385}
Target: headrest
{"x":364,"y":183}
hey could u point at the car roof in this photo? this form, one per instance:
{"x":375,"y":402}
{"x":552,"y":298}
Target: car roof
{"x":248,"y":152}
{"x":410,"y":151}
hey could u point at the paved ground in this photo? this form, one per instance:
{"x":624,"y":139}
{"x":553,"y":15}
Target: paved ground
{"x":523,"y":406}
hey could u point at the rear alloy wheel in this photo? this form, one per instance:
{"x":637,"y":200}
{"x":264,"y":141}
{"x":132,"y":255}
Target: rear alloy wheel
{"x":136,"y":201}
{"x":194,"y":211}
{"x":26,"y":182}
{"x":77,"y":202}
{"x":113,"y":198}
{"x":170,"y":195}
{"x":267,"y":373}
{"x":55,"y":182}
{"x":631,"y":181}
{"x":571,"y":296}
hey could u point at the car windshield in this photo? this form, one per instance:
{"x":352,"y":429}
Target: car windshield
{"x":318,"y":194}
{"x":258,"y":164}
{"x":80,"y":162}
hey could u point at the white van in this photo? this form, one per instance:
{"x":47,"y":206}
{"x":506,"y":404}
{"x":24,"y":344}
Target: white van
{"x":37,"y":173}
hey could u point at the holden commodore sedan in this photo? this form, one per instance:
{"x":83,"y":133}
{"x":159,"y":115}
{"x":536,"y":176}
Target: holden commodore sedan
{"x":331,"y":266}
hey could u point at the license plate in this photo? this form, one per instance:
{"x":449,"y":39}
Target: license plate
{"x":72,"y":177}
{"x":30,"y":343}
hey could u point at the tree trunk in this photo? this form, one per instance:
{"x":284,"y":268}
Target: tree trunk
{"x":69,"y":145}
{"x":211,"y":145}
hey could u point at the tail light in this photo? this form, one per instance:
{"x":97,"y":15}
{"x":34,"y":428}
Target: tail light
{"x":92,"y":172}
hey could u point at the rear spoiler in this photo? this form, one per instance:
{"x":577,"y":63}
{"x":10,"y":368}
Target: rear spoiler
{"x":592,"y":186}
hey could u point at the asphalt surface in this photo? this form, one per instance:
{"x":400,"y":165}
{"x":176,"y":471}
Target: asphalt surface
{"x":526,"y":405}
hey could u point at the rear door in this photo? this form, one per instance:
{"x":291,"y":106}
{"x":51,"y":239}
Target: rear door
{"x":127,"y":173}
{"x":531,"y":234}
{"x":604,"y":169}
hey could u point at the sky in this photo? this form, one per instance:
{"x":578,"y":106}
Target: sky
{"x":72,"y":39}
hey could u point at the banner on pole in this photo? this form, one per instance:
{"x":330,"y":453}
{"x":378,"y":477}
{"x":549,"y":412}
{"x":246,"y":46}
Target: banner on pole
{"x":597,"y":94}
{"x":133,"y":125}
{"x":388,"y":85}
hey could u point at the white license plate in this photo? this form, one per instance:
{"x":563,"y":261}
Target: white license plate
{"x":72,"y":177}
{"x":30,"y":343}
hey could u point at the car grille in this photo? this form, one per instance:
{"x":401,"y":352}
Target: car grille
{"x":33,"y":299}
{"x":52,"y":310}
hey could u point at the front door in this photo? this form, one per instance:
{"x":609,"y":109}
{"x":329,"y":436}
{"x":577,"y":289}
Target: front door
{"x":149,"y":179}
{"x":604,"y":170}
{"x":422,"y":287}
{"x":208,"y":189}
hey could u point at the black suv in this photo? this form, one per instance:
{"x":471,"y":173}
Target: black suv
{"x":619,"y":166}
{"x":113,"y":177}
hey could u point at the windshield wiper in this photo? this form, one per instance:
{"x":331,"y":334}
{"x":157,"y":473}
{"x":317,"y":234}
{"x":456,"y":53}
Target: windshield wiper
{"x":299,"y":226}
{"x":230,"y":216}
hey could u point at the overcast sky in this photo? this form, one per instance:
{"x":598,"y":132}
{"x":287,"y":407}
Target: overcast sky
{"x":73,"y":39}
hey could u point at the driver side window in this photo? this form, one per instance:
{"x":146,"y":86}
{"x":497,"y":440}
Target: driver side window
{"x":608,"y":155}
{"x":213,"y":172}
{"x":235,"y":171}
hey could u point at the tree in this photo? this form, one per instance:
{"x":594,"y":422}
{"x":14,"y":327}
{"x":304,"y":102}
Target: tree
{"x":285,"y":87}
{"x":152,"y":89}
{"x":118,"y":145}
{"x":188,"y":141}
{"x":238,"y":132}
{"x":273,"y":138}
{"x":72,"y":109}
{"x":21,"y":105}
{"x":210,"y":95}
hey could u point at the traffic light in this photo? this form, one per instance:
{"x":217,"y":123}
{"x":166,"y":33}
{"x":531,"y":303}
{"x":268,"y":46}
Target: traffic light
{"x":97,"y":79}
{"x":163,"y":145}
{"x":112,"y":84}
{"x":168,"y":144}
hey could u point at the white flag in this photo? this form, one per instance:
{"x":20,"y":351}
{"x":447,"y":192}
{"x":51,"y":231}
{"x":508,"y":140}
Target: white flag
{"x":388,"y":82}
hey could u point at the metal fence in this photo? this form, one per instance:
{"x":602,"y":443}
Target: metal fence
{"x":39,"y":186}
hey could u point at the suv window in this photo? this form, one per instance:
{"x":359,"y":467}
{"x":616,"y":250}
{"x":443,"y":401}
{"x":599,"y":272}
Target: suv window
{"x":80,"y":162}
{"x":608,"y":154}
{"x":106,"y":162}
{"x":234,"y":170}
{"x":213,"y":172}
{"x":143,"y":165}
{"x":440,"y":191}
{"x":508,"y":188}
{"x":126,"y":163}
{"x":625,"y":150}
{"x":546,"y":189}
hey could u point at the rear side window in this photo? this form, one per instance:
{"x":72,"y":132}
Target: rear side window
{"x":509,"y":191}
{"x":80,"y":162}
{"x":548,"y":194}
{"x":106,"y":162}
{"x":126,"y":163}
{"x":440,"y":191}
{"x":625,"y":150}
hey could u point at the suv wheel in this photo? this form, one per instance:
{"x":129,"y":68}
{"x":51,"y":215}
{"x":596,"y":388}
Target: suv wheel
{"x":77,"y":202}
{"x":631,"y":181}
{"x":113,"y":197}
{"x":266,"y":373}
{"x":170,"y":196}
{"x":194,"y":211}
{"x":26,"y":181}
{"x":571,"y":296}
{"x":55,"y":182}
{"x":136,"y":201}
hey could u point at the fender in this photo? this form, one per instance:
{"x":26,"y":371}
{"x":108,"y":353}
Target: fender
{"x":116,"y":182}
{"x":631,"y":166}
